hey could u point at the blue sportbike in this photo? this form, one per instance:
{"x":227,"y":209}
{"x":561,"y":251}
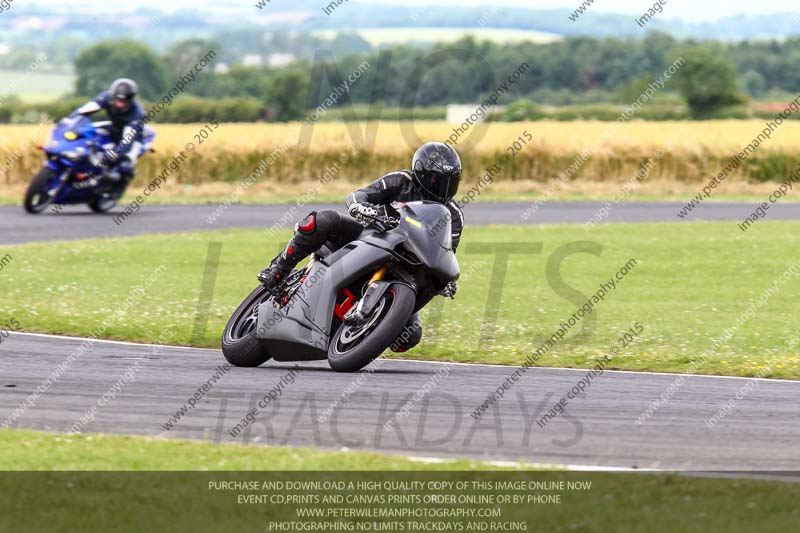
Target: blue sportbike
{"x":73,"y":172}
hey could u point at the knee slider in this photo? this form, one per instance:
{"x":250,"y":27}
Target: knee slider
{"x":308,"y":225}
{"x":326,"y":220}
{"x":408,"y":338}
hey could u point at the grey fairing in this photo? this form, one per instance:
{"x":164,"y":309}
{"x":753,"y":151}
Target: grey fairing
{"x":428,"y":241}
{"x":303,"y":326}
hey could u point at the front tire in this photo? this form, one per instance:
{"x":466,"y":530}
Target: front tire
{"x":36,"y":197}
{"x":349,"y":352}
{"x":102,"y":205}
{"x":240,"y":346}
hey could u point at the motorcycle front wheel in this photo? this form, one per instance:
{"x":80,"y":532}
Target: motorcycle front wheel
{"x":37,"y":198}
{"x":354,"y":347}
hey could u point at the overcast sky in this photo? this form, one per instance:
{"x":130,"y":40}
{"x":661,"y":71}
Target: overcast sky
{"x":683,"y":9}
{"x":693,"y":10}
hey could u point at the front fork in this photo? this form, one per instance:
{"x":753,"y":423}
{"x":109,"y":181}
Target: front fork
{"x":62,"y":179}
{"x":376,"y":288}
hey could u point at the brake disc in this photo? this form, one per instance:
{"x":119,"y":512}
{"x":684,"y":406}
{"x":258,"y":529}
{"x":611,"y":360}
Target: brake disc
{"x":350,"y":333}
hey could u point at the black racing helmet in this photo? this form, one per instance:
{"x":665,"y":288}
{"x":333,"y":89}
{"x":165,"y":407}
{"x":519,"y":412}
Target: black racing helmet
{"x":122,"y":94}
{"x":437,"y":171}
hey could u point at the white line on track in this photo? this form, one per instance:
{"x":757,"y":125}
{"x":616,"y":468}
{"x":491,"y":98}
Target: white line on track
{"x":761,"y":476}
{"x":540,"y":466}
{"x":419,"y":361}
{"x":105,"y":341}
{"x":634,"y":372}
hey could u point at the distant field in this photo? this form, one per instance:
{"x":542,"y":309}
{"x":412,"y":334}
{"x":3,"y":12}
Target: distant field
{"x":381,"y":36}
{"x":35,"y":86}
{"x":699,"y":151}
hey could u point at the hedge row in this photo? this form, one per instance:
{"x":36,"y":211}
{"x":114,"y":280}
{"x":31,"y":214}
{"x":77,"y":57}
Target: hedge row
{"x":525,"y":110}
{"x":188,"y":109}
{"x":182,"y":110}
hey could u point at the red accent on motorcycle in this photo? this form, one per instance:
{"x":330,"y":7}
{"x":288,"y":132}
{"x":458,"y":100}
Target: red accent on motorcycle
{"x":81,"y":176}
{"x":345,"y":305}
{"x":310,"y":225}
{"x":290,"y":250}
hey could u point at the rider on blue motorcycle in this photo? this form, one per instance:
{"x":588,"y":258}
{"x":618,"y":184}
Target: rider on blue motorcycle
{"x":127,"y":126}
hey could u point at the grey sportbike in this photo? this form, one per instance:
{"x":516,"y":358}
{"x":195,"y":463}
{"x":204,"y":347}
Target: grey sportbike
{"x":349,"y":305}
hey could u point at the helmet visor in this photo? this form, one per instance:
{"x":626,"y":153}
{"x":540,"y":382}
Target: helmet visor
{"x":441,"y":186}
{"x":121,"y":102}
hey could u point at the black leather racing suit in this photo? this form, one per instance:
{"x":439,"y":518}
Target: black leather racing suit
{"x":335,"y":229}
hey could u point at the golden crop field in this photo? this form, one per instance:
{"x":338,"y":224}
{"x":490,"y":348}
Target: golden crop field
{"x":684,"y":152}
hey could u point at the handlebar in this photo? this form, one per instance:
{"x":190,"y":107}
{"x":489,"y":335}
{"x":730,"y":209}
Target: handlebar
{"x":384,"y":224}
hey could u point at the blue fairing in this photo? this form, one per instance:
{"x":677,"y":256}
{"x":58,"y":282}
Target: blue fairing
{"x":68,"y":150}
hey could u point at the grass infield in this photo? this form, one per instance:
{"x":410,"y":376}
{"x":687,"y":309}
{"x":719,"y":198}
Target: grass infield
{"x":116,"y":483}
{"x":691,"y":283}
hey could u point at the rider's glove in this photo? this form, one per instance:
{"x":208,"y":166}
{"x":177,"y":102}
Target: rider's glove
{"x":109,"y":158}
{"x":367,"y":212}
{"x":449,"y":290}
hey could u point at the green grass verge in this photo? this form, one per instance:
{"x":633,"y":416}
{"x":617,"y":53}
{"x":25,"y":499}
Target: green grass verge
{"x":693,"y":282}
{"x":142,"y":499}
{"x":39,"y":451}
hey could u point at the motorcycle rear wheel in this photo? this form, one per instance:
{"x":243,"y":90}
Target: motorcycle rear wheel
{"x":240,"y":345}
{"x":102,"y":205}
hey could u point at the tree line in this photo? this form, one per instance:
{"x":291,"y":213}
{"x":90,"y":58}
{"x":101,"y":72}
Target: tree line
{"x":580,"y":70}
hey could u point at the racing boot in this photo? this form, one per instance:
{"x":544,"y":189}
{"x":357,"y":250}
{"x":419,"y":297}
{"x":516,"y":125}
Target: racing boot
{"x":280,"y":267}
{"x":308,"y":238}
{"x":272,"y":276}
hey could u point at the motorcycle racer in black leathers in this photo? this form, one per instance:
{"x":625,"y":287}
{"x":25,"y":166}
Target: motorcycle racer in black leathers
{"x":435,"y":176}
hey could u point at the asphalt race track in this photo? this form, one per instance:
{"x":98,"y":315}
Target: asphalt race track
{"x":77,"y":222}
{"x":600,"y":430}
{"x":430,"y":403}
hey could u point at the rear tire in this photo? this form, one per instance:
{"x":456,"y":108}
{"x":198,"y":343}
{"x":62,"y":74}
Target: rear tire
{"x":400,"y":300}
{"x":240,"y":346}
{"x":36,"y":198}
